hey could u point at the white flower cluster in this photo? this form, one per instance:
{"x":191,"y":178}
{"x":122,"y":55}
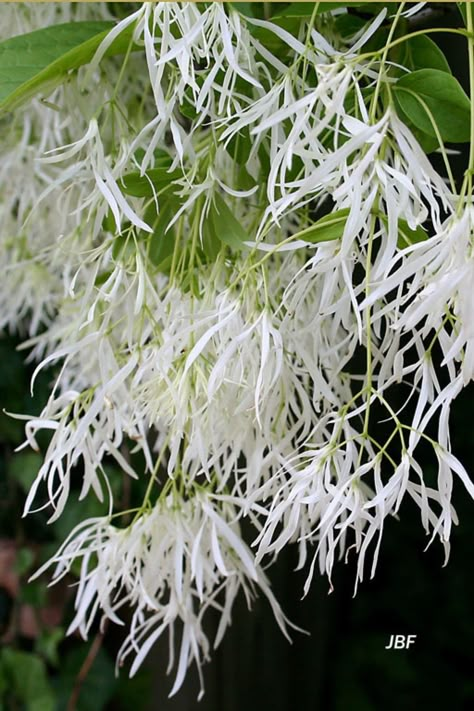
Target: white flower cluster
{"x":173,"y":563}
{"x":216,"y":337}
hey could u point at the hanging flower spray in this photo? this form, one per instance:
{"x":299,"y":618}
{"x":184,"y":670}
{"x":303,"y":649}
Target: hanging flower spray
{"x":225,"y":233}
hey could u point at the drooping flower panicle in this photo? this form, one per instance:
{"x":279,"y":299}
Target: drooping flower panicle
{"x":223,"y":250}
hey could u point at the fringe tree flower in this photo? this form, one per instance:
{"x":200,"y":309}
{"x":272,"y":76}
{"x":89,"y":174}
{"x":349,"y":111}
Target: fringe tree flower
{"x":172,"y":564}
{"x":233,"y":250}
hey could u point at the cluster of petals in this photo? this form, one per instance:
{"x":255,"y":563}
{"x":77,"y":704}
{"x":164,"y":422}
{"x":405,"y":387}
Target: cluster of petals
{"x":237,"y":379}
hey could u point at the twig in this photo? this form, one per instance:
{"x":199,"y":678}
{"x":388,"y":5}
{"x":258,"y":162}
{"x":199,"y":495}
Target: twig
{"x":85,"y":669}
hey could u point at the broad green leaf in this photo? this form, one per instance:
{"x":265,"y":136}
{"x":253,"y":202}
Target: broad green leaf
{"x":431,"y":91}
{"x":300,"y":9}
{"x":160,"y":242}
{"x":427,"y":143}
{"x":242,"y":178}
{"x":226,"y":226}
{"x":327,"y":228}
{"x":422,"y":53}
{"x":264,"y":156}
{"x":152,"y":182}
{"x":41,"y":60}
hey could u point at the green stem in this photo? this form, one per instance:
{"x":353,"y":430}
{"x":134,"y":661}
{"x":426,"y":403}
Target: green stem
{"x":383,"y":61}
{"x":390,"y":45}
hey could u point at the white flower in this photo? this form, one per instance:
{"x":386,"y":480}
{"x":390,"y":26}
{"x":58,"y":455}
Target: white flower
{"x":339,"y":491}
{"x":86,"y":426}
{"x":438,"y":278}
{"x":178,"y":39}
{"x":249,"y":365}
{"x":172,"y":563}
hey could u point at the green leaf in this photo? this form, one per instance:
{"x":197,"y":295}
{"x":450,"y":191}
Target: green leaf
{"x":374,"y":8}
{"x":328,"y":228}
{"x":41,"y":60}
{"x":271,"y":41}
{"x":211,"y":244}
{"x":299,"y":9}
{"x":47,"y":643}
{"x":142,"y":185}
{"x":108,"y":225}
{"x":162,"y":240}
{"x":27,"y":675}
{"x":347,"y":25}
{"x":305,"y":9}
{"x":406,"y":235}
{"x":431,"y":91}
{"x":427,"y":143}
{"x":226,"y":226}
{"x":34,"y":594}
{"x":245,"y":8}
{"x":422,"y":53}
{"x":463,"y":11}
{"x":239,"y":146}
{"x":188,"y":109}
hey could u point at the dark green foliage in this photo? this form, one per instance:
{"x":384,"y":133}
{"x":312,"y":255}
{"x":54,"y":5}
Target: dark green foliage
{"x":433,"y":100}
